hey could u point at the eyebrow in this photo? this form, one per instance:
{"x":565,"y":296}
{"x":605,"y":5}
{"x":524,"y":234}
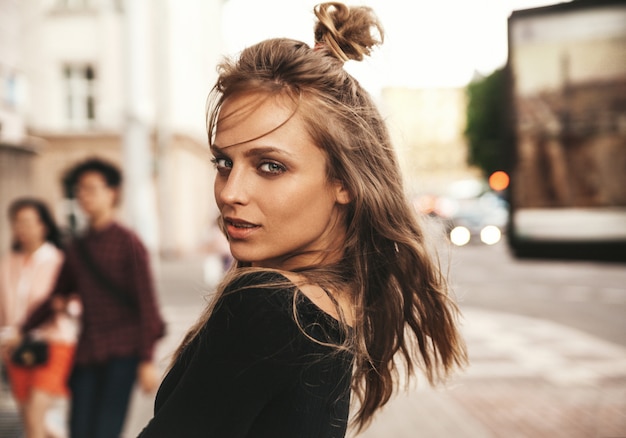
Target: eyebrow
{"x":255,"y":151}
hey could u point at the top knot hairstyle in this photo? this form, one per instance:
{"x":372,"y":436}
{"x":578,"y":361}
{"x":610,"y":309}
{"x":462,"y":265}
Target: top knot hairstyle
{"x":346,"y":33}
{"x":405,"y":318}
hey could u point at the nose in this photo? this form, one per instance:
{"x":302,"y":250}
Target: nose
{"x":233,"y":188}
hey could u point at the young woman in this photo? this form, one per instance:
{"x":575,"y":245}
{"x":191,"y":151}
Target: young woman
{"x":27,"y":274}
{"x":332,"y":287}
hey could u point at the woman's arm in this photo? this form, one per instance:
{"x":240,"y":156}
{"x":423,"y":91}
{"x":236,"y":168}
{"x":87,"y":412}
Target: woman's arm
{"x":63,"y":287}
{"x":44,"y":279}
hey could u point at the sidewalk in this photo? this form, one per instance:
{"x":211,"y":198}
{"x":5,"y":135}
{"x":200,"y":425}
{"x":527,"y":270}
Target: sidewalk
{"x":10,"y":426}
{"x":528,"y":378}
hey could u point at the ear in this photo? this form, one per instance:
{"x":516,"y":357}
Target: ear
{"x":342,"y":195}
{"x":117,"y":197}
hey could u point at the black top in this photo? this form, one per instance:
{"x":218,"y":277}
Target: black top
{"x":251,"y":372}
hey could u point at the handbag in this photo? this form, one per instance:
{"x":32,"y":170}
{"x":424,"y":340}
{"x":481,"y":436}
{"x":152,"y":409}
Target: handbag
{"x":30,"y":353}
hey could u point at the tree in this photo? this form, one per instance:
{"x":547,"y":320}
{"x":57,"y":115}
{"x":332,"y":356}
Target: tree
{"x":486,"y":126}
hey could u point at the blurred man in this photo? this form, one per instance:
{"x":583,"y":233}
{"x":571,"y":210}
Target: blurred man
{"x":108,"y":268}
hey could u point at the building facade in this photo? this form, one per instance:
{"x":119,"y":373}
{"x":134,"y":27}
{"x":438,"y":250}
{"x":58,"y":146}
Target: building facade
{"x":427,"y":128}
{"x":126,"y":81}
{"x":17,"y":151}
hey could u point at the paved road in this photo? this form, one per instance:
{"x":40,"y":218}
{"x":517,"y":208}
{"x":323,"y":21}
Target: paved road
{"x":584,"y":295}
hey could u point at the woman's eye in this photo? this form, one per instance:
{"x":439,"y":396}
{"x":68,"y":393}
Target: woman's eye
{"x":222,"y":163}
{"x":271,"y":167}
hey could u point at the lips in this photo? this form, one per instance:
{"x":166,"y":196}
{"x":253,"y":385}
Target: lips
{"x":239,"y":229}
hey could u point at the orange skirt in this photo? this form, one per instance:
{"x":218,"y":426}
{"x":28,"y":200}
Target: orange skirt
{"x":50,"y":378}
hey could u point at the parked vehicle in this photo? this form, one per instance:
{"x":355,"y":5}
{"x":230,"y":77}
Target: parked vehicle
{"x":567,"y":88}
{"x":470,"y":213}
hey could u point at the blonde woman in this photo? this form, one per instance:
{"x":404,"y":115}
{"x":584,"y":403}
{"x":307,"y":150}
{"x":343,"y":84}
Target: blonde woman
{"x":332,"y":281}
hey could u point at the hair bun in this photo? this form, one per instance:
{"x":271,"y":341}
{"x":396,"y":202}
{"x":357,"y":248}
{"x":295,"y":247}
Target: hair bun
{"x":347,"y":32}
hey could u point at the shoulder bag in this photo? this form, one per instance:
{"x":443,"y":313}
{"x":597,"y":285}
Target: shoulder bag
{"x":122,"y":296}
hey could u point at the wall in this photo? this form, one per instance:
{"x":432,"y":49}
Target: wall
{"x":427,"y":127}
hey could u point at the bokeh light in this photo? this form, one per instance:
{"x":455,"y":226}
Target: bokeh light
{"x":460,"y":236}
{"x":499,"y":180}
{"x":490,"y":235}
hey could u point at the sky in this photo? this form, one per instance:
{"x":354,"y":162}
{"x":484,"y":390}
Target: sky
{"x":427,"y":44}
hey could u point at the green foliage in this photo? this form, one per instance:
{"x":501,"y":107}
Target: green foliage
{"x":486,"y":122}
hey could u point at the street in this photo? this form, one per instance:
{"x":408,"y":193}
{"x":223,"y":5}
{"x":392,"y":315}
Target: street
{"x":546,"y":340}
{"x":583,"y":295}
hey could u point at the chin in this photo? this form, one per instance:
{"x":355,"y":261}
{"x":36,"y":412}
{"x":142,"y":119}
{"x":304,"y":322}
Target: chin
{"x":241,"y":258}
{"x":259,"y":259}
{"x":242,"y":253}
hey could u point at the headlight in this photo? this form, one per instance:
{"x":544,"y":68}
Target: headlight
{"x":460,"y":236}
{"x":490,"y":235}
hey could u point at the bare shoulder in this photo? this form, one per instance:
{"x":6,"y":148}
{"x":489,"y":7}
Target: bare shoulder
{"x":321,"y":298}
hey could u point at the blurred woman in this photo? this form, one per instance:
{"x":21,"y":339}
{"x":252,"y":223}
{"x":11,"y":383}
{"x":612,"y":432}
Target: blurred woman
{"x":27,"y":274}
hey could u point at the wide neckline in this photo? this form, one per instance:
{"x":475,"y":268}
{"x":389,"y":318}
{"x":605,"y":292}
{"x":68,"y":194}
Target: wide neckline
{"x":311,"y":302}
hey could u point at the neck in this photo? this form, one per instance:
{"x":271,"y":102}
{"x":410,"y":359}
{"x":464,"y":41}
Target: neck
{"x":101,"y":221}
{"x":295,"y":262}
{"x":29,"y":248}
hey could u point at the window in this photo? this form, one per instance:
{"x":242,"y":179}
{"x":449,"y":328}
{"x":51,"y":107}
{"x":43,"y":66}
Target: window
{"x":8,"y":89}
{"x":12,"y":89}
{"x":80,"y":96}
{"x":74,"y":4}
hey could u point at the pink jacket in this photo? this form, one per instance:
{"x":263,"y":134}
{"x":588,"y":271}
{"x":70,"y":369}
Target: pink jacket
{"x":24,"y":284}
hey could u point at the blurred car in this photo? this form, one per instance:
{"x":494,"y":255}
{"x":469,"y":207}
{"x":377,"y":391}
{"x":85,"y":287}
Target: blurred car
{"x":470,"y":211}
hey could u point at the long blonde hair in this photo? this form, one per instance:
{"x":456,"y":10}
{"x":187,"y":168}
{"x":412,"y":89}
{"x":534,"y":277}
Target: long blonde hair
{"x":403,"y":308}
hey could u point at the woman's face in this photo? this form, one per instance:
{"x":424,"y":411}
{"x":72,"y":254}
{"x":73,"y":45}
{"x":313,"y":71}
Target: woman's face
{"x":278,"y":206}
{"x":28,"y":229}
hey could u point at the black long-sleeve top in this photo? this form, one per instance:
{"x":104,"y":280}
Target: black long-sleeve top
{"x":252,"y":372}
